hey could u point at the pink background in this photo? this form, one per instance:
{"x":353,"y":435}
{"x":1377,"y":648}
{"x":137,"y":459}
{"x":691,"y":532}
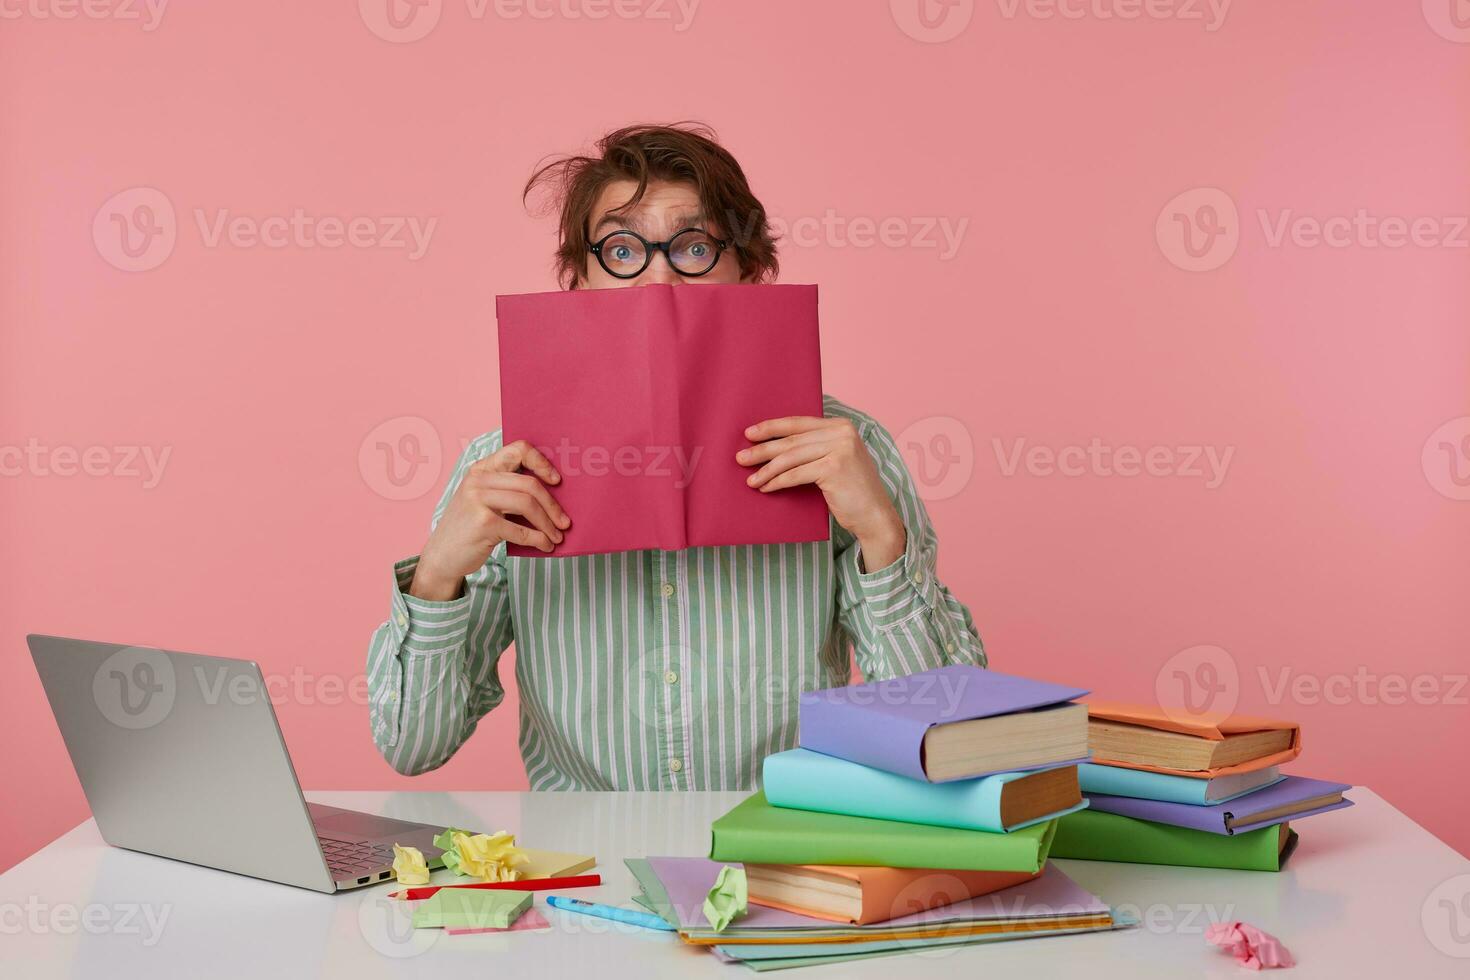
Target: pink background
{"x":1331,"y":547}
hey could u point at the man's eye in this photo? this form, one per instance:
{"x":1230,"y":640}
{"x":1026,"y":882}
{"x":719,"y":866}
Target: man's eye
{"x":699,"y":250}
{"x":622,"y":253}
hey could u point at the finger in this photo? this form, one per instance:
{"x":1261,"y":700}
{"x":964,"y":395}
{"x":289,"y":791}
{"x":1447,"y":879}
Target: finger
{"x":770,"y":449}
{"x":527,"y":506}
{"x":806,"y":473}
{"x":787,"y":461}
{"x":522,"y":454}
{"x":788,"y":426}
{"x":508,"y":530}
{"x":531,"y":485}
{"x":536,"y":461}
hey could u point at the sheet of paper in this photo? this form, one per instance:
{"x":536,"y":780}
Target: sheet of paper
{"x":641,"y":397}
{"x":818,"y":953}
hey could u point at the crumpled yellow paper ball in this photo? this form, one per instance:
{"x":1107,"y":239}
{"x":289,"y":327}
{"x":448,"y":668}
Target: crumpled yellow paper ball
{"x":409,"y":865}
{"x":489,"y":857}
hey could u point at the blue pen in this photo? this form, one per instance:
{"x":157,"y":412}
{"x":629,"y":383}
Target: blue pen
{"x":628,"y":916}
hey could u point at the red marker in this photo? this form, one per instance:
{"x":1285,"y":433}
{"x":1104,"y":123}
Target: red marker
{"x":528,"y":885}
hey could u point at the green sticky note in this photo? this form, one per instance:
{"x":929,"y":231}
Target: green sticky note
{"x":726,"y":900}
{"x":471,"y":908}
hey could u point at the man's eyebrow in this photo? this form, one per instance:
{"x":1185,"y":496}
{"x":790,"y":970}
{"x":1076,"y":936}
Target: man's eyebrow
{"x":618,"y":221}
{"x":691,"y":219}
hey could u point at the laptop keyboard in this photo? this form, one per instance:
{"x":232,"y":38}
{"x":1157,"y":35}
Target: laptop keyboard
{"x":352,"y":859}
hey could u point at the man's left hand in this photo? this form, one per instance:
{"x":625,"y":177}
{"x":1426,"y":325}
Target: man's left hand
{"x":830,"y":453}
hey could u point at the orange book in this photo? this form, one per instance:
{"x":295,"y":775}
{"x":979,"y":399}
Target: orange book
{"x":860,"y":894}
{"x":1137,"y":736}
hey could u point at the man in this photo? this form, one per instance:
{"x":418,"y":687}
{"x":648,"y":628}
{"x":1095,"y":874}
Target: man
{"x":658,"y":669}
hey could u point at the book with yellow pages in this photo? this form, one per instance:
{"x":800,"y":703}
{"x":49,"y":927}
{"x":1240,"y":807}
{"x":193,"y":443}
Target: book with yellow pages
{"x":1158,"y":740}
{"x":1293,"y":798}
{"x":806,"y":780}
{"x":861,"y":895}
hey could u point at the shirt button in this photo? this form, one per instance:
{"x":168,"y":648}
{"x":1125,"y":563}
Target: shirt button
{"x":676,"y":765}
{"x":666,"y":590}
{"x":402,"y":620}
{"x":392,"y":695}
{"x":670,"y":677}
{"x":949,"y":647}
{"x":917,"y":577}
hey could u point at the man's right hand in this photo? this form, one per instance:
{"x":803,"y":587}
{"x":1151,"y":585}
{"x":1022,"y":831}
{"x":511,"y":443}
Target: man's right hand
{"x":512,"y":480}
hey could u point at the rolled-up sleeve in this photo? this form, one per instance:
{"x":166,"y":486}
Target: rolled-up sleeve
{"x":432,"y":667}
{"x":901,"y":618}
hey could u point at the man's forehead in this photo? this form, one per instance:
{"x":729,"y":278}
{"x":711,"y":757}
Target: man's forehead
{"x":661,"y":204}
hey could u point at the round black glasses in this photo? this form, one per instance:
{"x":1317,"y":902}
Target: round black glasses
{"x":625,"y":254}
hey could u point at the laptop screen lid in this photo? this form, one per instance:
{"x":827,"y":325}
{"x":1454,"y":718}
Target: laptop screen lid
{"x":180,"y":755}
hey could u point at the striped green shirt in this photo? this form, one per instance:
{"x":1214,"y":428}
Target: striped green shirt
{"x":669,"y":670}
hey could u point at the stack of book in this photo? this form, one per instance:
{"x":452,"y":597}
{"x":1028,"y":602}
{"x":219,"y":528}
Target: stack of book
{"x":1166,"y":788}
{"x":915,"y":797}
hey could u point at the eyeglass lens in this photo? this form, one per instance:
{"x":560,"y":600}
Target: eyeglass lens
{"x":692,"y":251}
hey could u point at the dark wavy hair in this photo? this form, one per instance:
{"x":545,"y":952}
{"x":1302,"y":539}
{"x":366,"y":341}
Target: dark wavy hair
{"x":683,"y":152}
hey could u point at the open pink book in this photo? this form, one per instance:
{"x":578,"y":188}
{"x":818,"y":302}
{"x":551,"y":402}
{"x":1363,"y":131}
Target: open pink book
{"x":640,"y":397}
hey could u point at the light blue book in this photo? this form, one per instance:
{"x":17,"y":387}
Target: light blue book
{"x":805,"y":780}
{"x":1141,"y":785}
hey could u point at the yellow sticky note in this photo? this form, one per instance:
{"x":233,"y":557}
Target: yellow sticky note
{"x":409,"y":865}
{"x":554,"y":864}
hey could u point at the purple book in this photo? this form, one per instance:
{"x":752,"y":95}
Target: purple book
{"x":1271,"y":805}
{"x":883,"y":724}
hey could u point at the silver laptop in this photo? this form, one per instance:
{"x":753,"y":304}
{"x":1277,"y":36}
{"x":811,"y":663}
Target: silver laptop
{"x":180,"y":755}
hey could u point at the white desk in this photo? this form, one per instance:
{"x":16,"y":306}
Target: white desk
{"x":1369,"y":893}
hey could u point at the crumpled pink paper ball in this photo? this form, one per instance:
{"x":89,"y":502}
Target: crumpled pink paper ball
{"x":1254,"y":949}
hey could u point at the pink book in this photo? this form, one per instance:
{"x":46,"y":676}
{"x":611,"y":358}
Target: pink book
{"x":640,"y":398}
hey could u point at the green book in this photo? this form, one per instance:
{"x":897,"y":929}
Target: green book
{"x":471,"y":908}
{"x":1092,"y":835}
{"x":760,"y":833}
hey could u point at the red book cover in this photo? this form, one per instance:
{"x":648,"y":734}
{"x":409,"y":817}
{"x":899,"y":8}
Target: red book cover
{"x":640,"y":398}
